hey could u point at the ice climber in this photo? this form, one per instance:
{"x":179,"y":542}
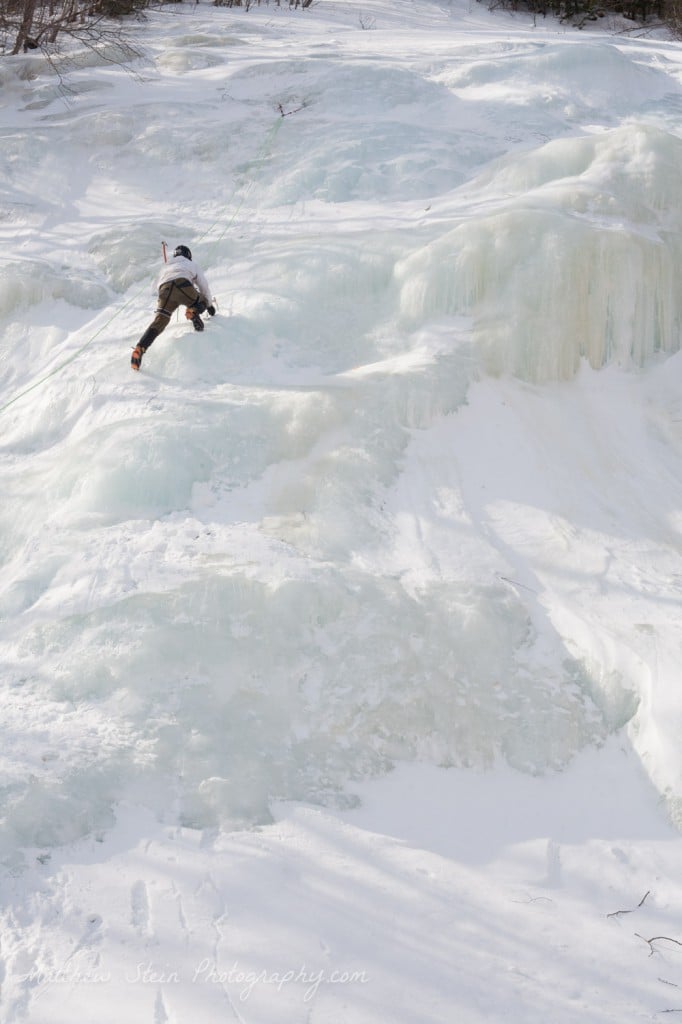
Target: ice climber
{"x":181,"y":283}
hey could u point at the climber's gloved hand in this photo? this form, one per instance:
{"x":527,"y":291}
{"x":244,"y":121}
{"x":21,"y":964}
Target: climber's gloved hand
{"x":210,"y":310}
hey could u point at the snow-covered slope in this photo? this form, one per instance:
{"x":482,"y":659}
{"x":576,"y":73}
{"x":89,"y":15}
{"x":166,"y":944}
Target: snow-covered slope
{"x":398,"y":536}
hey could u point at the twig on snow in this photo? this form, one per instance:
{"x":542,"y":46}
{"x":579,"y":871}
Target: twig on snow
{"x":657,"y":938}
{"x":534,"y":899}
{"x":515,"y":583}
{"x":617,"y":913}
{"x":288,"y":113}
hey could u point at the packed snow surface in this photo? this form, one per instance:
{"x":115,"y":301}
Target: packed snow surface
{"x":340,"y":647}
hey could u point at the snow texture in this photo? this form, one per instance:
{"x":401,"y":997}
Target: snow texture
{"x":340,"y":646}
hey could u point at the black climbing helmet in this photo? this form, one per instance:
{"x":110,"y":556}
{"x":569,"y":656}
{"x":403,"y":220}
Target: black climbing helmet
{"x":182,"y":250}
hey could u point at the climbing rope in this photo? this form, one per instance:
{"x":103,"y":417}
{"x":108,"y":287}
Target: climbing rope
{"x":70,"y":359}
{"x":260,"y":157}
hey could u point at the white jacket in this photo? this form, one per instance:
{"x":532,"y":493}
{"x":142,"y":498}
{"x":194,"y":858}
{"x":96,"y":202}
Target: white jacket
{"x":180,"y":266}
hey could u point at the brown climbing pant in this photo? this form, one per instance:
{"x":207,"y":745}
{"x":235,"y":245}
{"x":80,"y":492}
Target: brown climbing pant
{"x":172,"y":294}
